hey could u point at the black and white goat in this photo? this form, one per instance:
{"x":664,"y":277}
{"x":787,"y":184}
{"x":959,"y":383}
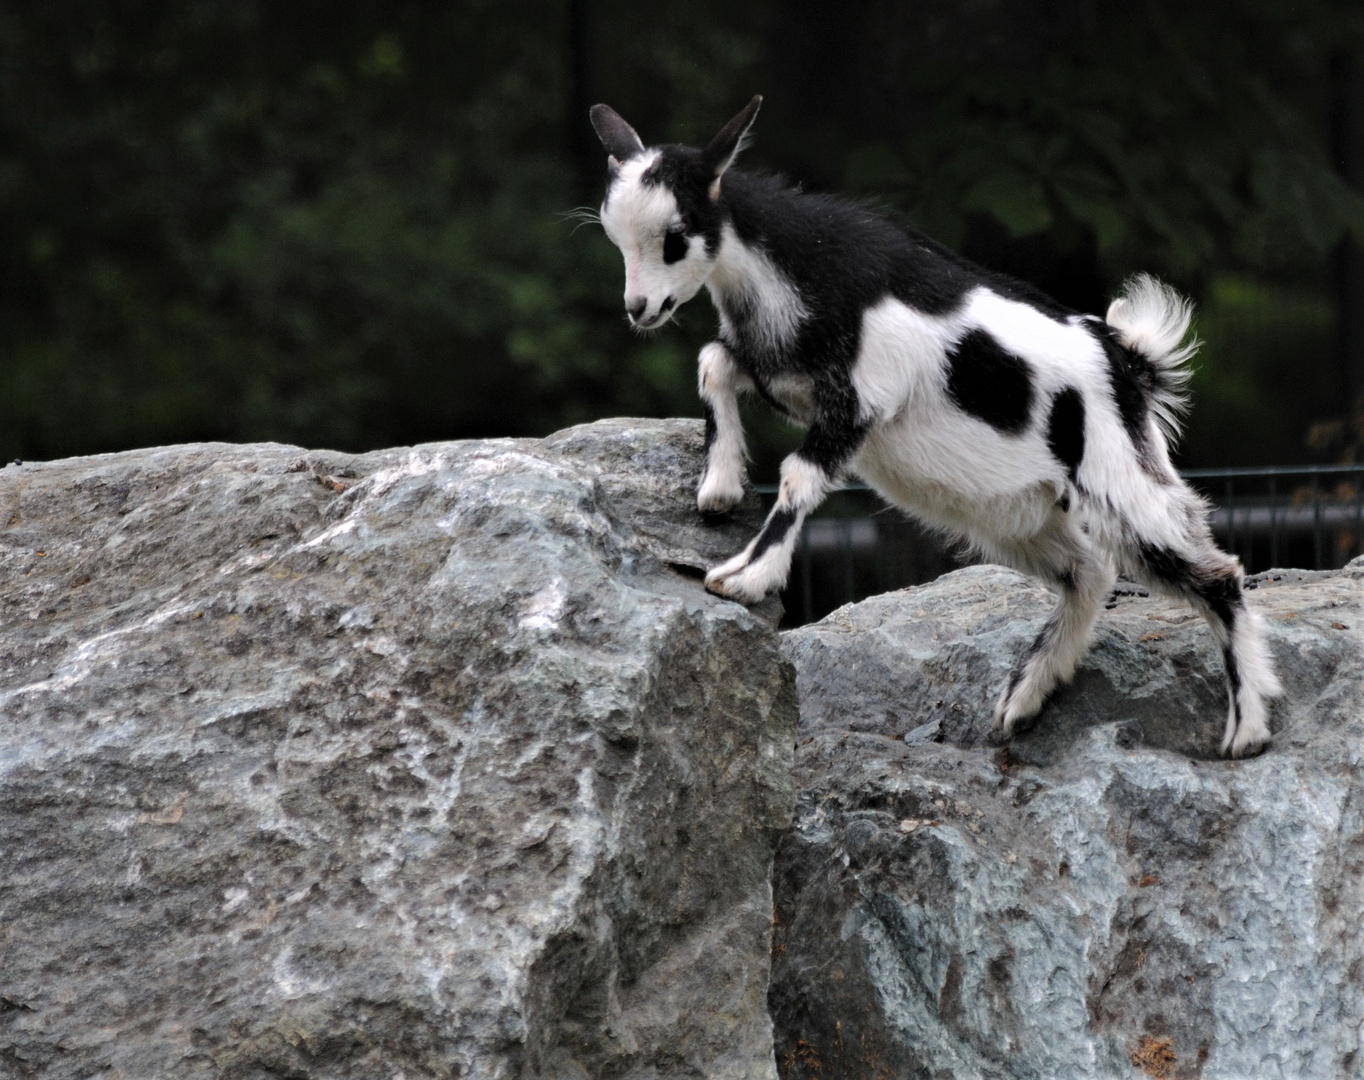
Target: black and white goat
{"x":969,"y":399}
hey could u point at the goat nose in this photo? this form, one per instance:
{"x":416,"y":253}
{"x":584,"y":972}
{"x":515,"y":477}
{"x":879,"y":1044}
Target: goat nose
{"x":636,"y":309}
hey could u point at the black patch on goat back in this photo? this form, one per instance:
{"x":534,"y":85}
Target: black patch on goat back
{"x":1129,"y":392}
{"x":1066,"y":430}
{"x":990,"y":383}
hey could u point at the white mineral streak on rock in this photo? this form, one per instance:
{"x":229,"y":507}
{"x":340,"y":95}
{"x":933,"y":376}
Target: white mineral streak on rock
{"x":417,"y":464}
{"x":332,"y":781}
{"x":104,"y":648}
{"x":544,"y":609}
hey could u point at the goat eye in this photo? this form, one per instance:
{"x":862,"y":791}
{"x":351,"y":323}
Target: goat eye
{"x":674,"y":247}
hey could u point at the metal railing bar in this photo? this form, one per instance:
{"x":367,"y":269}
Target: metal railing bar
{"x":1271,"y":470}
{"x":1267,"y":471}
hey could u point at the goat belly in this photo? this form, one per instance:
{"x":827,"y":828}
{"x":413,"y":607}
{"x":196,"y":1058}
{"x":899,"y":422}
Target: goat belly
{"x":961,"y":475}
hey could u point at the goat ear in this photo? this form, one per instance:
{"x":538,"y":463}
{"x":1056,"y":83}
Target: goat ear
{"x":720,"y":153}
{"x":616,"y":135}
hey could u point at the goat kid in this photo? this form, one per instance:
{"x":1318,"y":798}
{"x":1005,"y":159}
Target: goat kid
{"x":1037,"y":435}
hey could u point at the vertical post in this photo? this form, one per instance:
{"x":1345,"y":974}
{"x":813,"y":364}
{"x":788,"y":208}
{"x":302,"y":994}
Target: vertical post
{"x":1359,"y":511}
{"x":1231,"y":518}
{"x":846,"y":535}
{"x":1273,"y":524}
{"x":1347,"y":139}
{"x":582,"y":145}
{"x":1316,"y":519}
{"x":807,"y":588}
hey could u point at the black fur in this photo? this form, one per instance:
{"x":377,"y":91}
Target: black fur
{"x":837,"y":430}
{"x":990,"y":383}
{"x":1066,"y":431}
{"x":842,"y":257}
{"x":682,"y":170}
{"x":1220,"y":591}
{"x":1133,"y":379}
{"x":778,"y":524}
{"x":1039,"y":645}
{"x":1233,"y":681}
{"x":616,"y":135}
{"x":674,"y":247}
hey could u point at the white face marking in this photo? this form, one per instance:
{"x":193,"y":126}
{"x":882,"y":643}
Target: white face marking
{"x":637,"y":218}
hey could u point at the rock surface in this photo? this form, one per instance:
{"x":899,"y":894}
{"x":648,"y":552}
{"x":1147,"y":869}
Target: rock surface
{"x":1104,"y":897}
{"x":422,"y":763}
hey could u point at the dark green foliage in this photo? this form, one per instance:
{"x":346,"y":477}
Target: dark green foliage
{"x":344,"y":224}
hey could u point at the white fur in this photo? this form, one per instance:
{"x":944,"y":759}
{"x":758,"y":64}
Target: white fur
{"x":1005,"y":493}
{"x":748,"y":579}
{"x":744,"y":271}
{"x":1258,"y":682}
{"x":902,"y":350}
{"x":636,"y":216}
{"x":1154,"y":319}
{"x":722,"y":483}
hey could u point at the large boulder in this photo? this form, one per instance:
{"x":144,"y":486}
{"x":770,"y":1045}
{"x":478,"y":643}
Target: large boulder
{"x":1102,"y":898}
{"x":435,"y":762}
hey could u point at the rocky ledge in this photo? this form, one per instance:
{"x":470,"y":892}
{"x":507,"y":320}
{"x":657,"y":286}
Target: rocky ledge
{"x":1102,"y":898}
{"x":439,"y":762}
{"x":434,"y":762}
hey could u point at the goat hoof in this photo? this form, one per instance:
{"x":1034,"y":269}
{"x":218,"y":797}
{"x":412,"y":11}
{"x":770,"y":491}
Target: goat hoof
{"x":733,"y":585}
{"x":1246,"y":744}
{"x":730,"y":589}
{"x":717,"y":508}
{"x":712,"y":499}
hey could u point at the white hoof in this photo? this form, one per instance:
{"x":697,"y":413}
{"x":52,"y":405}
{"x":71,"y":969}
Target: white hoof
{"x":748,"y":582}
{"x":1018,"y":703}
{"x":718,"y":493}
{"x":1249,"y":737}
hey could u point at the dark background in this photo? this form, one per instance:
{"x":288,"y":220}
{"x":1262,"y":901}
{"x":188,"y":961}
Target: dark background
{"x":344,"y":225}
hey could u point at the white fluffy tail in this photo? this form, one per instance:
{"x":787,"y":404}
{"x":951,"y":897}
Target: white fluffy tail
{"x":1153,"y":320}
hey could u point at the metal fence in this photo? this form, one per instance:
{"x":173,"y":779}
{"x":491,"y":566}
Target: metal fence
{"x":1306,"y":516}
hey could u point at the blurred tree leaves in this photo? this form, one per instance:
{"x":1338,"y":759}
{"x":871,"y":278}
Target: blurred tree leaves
{"x":1189,"y":139}
{"x":344,"y":224}
{"x":334,"y":224}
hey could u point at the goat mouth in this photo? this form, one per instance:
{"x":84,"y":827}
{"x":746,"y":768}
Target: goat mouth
{"x":653,"y":322}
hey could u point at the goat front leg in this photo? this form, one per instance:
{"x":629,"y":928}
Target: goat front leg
{"x":806,"y":477}
{"x":722,"y":482}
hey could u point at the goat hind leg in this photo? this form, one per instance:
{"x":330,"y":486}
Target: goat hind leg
{"x":1211,"y":580}
{"x":1216,"y":588}
{"x":1082,"y":578}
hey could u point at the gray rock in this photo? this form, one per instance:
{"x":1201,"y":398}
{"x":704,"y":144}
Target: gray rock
{"x":422,"y":763}
{"x":1102,"y":898}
